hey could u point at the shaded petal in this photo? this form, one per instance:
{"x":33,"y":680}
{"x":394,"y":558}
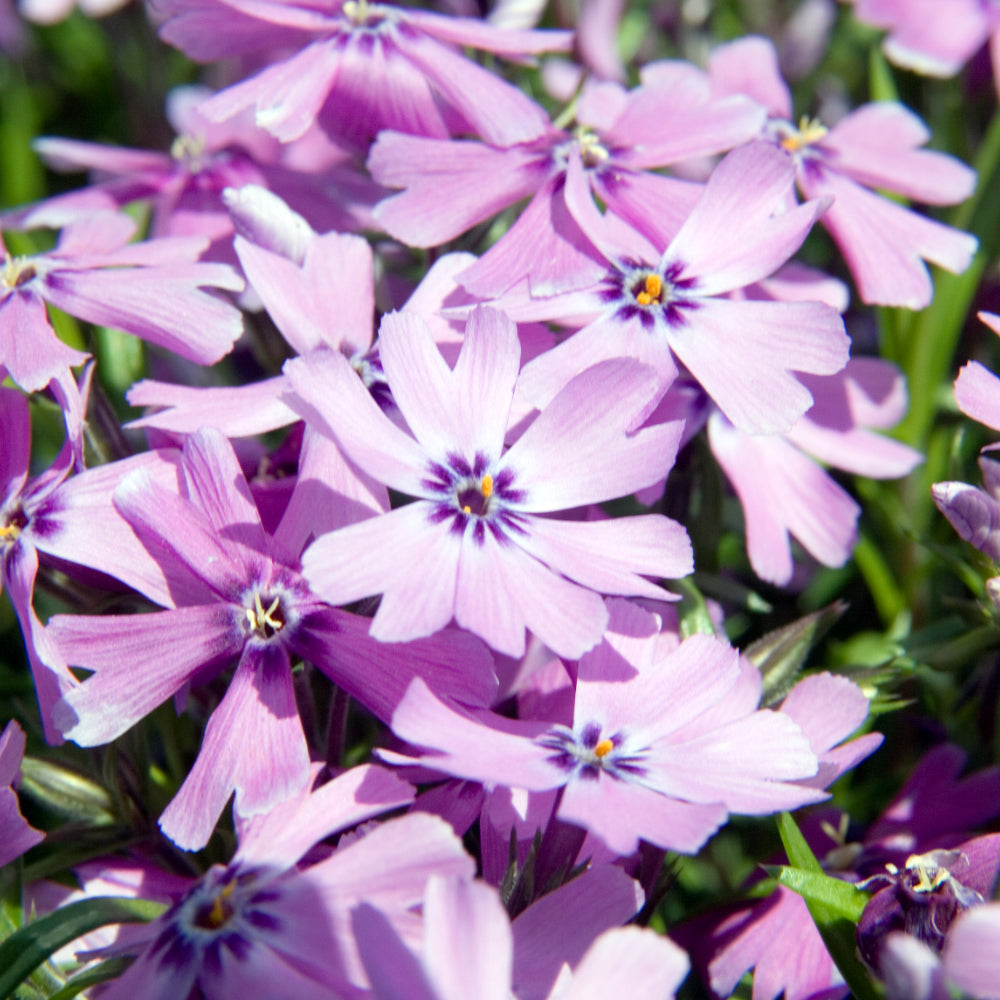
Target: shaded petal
{"x":450,"y":185}
{"x":253,"y":743}
{"x":280,"y":837}
{"x":29,"y":348}
{"x":453,"y":663}
{"x":171,"y":646}
{"x":977,"y":392}
{"x":876,"y":146}
{"x":334,"y":279}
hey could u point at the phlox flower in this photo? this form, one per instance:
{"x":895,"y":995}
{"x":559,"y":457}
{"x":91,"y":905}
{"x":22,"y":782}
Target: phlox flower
{"x":184,"y":185}
{"x":51,"y":11}
{"x":156,"y":290}
{"x":782,"y":487}
{"x":235,"y":595}
{"x":620,"y":138}
{"x":358,"y":67}
{"x":17,"y":835}
{"x":476,"y":545}
{"x":649,"y":754}
{"x":671,"y":308}
{"x":469,"y":952}
{"x":932,"y":37}
{"x":875,"y":146}
{"x":272,"y":924}
{"x":933,"y":809}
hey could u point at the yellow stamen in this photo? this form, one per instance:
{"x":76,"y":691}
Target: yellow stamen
{"x":603,"y":749}
{"x":10,"y":531}
{"x":810,"y":130}
{"x":17,"y":271}
{"x":486,"y":486}
{"x":652,"y":290}
{"x":220,"y":912}
{"x":466,"y":510}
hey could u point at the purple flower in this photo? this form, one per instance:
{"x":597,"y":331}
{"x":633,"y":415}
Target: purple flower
{"x":474,"y":546}
{"x":238,"y":596}
{"x":649,"y":753}
{"x":261,"y":927}
{"x":470,"y":951}
{"x":16,"y":834}
{"x":875,"y":146}
{"x":924,"y":897}
{"x":154,"y":290}
{"x":673,"y":308}
{"x":621,"y":138}
{"x":361,"y":67}
{"x":931,"y":37}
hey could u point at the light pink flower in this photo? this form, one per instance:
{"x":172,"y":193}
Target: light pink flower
{"x":477,"y":545}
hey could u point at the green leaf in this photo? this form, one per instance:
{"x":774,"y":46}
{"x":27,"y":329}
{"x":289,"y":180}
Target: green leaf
{"x":840,"y":897}
{"x":28,"y":947}
{"x":111,"y":969}
{"x":693,"y":611}
{"x":834,"y":928}
{"x":780,"y":655}
{"x":66,"y":792}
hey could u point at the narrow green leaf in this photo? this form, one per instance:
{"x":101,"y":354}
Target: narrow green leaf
{"x":693,"y":611}
{"x":781,"y":654}
{"x":881,"y":82}
{"x":799,"y":852}
{"x":28,"y":947}
{"x":111,"y":969}
{"x":836,"y":931}
{"x":840,"y":897}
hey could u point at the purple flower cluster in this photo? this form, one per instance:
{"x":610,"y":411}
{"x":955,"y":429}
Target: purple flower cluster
{"x":436,"y":544}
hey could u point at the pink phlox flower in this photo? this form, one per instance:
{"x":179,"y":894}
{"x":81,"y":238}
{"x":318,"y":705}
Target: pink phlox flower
{"x":931,"y":37}
{"x":620,"y":139}
{"x":672,"y":308}
{"x":935,"y":808}
{"x":277,"y":921}
{"x":26,"y":527}
{"x":977,"y":389}
{"x":237,"y":595}
{"x":360,"y":67}
{"x":470,"y":949}
{"x":783,"y":489}
{"x":875,"y":146}
{"x":477,"y":545}
{"x":185,"y":185}
{"x":303,"y":278}
{"x":156,"y":290}
{"x":17,"y":835}
{"x":648,"y":755}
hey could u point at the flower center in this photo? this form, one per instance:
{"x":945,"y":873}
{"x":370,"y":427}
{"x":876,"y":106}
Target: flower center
{"x":475,"y":499}
{"x":587,"y":752}
{"x":212,"y":916}
{"x":17,"y":271}
{"x":189,"y":152}
{"x":648,"y":290}
{"x":13,"y":525}
{"x":265,"y":622}
{"x":810,"y":131}
{"x":592,"y":152}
